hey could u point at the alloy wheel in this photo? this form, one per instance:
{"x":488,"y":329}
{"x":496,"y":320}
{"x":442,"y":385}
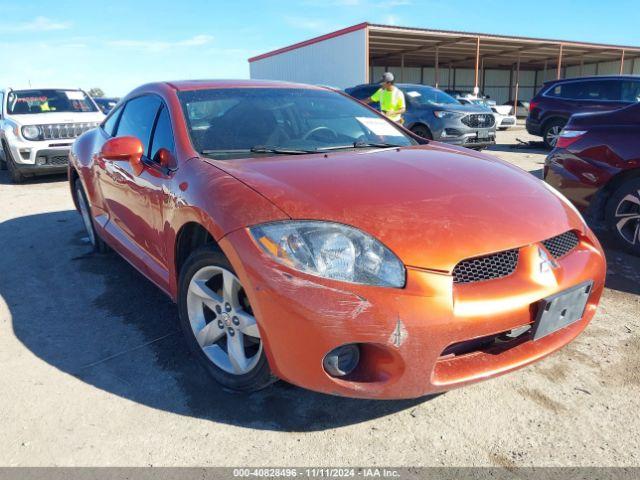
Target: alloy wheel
{"x":552,"y":135}
{"x":627,"y":218}
{"x":222,"y":320}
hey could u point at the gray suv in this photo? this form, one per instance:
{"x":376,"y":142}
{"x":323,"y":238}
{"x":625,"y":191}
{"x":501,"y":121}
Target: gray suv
{"x":435,"y":115}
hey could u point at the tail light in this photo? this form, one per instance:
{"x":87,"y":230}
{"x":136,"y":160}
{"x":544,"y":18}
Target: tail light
{"x":568,"y":137}
{"x":532,"y":106}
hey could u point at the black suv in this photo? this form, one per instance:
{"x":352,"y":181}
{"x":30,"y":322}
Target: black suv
{"x":556,"y":101}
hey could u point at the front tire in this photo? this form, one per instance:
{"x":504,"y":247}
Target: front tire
{"x":218,"y":323}
{"x":422,"y":131}
{"x":16,"y":176}
{"x":622,"y":216}
{"x":552,"y":131}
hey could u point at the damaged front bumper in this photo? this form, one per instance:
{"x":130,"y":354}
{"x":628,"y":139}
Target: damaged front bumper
{"x":431,"y":336}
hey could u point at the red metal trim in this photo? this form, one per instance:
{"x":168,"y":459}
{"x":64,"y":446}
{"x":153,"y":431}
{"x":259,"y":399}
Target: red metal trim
{"x":311,"y":41}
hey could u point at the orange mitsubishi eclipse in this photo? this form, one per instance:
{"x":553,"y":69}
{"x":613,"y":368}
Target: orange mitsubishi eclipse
{"x":307,"y":238}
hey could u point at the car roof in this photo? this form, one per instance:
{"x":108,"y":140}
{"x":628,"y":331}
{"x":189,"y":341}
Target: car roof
{"x":399,"y":85}
{"x":183,"y":85}
{"x":39,"y":87}
{"x":593,"y":77}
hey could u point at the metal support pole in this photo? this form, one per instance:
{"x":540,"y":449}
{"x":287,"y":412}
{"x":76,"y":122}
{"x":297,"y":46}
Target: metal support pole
{"x":482,"y":74}
{"x":437,"y":68}
{"x":544,"y":72}
{"x":581,"y":65}
{"x":515,"y":100}
{"x":622,"y":63}
{"x":475,"y":88}
{"x":559,"y":73}
{"x":402,"y":68}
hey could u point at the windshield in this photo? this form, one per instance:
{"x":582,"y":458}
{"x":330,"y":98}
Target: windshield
{"x":429,"y":96}
{"x":239,"y":122}
{"x":48,"y":101}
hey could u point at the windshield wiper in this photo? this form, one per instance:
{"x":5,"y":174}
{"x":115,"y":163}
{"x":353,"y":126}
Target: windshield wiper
{"x":359,"y":145}
{"x":284,"y":151}
{"x":259,"y":149}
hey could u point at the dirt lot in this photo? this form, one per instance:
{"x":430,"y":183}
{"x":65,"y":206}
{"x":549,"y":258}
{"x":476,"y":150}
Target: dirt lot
{"x":93,"y":372}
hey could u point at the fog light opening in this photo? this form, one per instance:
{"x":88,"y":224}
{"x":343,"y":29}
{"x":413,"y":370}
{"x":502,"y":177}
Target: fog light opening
{"x":341,"y":361}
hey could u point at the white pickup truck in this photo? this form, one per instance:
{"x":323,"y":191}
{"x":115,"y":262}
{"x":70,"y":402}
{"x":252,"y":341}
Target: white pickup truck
{"x":38,"y":126}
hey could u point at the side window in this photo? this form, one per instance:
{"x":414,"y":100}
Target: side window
{"x":110,"y":123}
{"x":362,"y":93}
{"x":600,"y":90}
{"x":162,"y":135}
{"x":137,"y":119}
{"x":631,"y":91}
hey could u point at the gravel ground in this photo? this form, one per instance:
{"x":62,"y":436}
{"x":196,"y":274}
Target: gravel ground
{"x":95,"y":373}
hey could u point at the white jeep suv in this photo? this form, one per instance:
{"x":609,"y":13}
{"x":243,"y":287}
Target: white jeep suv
{"x":38,"y":126}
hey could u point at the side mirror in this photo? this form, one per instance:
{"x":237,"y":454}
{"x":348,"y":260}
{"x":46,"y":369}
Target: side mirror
{"x":125,"y":149}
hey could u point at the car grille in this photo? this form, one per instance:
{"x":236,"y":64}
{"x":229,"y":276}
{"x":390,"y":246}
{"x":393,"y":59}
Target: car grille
{"x":479,"y":120}
{"x":503,"y":264}
{"x":562,"y":244}
{"x":489,"y":267}
{"x":58,"y":160}
{"x":64,"y":130}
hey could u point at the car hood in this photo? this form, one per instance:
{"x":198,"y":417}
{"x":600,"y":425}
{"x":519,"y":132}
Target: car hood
{"x":432,"y":205}
{"x":457,"y":108}
{"x":54,"y":118}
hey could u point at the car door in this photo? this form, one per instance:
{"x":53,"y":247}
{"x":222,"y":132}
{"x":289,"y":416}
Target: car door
{"x":135,"y":200}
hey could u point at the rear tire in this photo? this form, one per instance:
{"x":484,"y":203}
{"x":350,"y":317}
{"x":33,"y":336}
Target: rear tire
{"x":551,"y":132}
{"x":422,"y":131}
{"x":622,"y":216}
{"x":98,"y":245}
{"x":230,"y":352}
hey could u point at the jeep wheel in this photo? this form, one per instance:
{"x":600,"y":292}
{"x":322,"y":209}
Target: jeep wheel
{"x":16,"y":176}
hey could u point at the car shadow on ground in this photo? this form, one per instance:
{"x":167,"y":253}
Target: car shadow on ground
{"x":5,"y":178}
{"x":623,"y":269}
{"x":95,"y":317}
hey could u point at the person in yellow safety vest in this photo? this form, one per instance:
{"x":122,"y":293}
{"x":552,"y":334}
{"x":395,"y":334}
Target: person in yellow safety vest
{"x":390,"y":97}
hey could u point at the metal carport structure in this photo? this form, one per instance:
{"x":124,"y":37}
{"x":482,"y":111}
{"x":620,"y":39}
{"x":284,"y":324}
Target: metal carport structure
{"x":507,"y":68}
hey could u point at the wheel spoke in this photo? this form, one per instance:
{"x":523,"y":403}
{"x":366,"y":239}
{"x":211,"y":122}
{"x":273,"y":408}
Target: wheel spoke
{"x":235,"y":350}
{"x":248,"y":324}
{"x":623,"y":223}
{"x":210,"y":334}
{"x":629,"y":198}
{"x":230,"y":289}
{"x":202,"y":291}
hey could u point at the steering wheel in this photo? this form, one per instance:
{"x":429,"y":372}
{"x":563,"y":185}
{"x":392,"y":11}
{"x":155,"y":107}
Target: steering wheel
{"x":321,"y":128}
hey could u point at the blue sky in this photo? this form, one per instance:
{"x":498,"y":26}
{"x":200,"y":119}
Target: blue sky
{"x":119,"y":44}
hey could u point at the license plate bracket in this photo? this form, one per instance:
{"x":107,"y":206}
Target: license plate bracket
{"x":561,"y":309}
{"x":483,"y":134}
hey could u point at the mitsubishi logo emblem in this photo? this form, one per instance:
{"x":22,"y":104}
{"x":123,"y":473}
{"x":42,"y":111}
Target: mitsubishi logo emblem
{"x":547,"y":264}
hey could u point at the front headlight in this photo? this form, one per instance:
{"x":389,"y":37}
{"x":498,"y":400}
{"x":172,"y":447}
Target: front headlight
{"x":331,"y":250}
{"x":31,"y":132}
{"x":446,"y":114}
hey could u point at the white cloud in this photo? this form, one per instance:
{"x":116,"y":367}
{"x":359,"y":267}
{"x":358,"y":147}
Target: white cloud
{"x":391,"y":20}
{"x":38,"y":24}
{"x":317,"y":26}
{"x":154,"y":46}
